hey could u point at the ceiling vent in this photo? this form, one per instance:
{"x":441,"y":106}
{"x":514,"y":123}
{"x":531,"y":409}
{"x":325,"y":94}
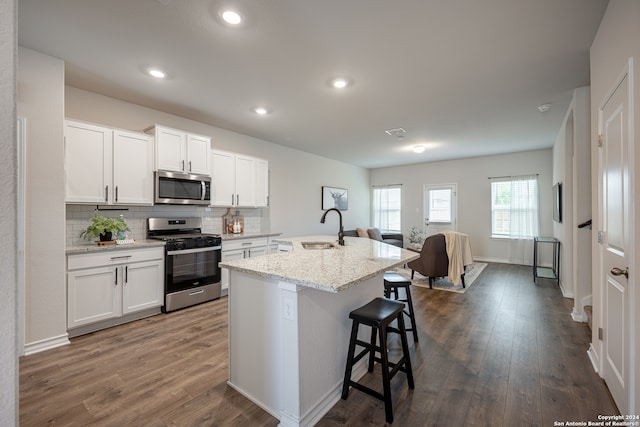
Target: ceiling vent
{"x":398,"y":132}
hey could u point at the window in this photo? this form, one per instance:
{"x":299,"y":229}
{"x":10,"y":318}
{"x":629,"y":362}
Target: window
{"x":440,"y":205}
{"x":387,"y":203}
{"x":514,"y":207}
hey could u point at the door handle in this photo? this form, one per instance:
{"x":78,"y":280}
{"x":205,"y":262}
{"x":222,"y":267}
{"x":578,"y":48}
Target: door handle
{"x":620,"y":272}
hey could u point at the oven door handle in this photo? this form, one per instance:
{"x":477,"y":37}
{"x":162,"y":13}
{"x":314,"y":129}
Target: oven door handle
{"x":194,"y":250}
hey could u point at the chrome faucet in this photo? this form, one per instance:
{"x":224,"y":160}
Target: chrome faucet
{"x":341,"y":232}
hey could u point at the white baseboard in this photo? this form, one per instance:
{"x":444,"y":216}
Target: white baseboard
{"x":497,"y":260}
{"x":46,"y":344}
{"x":567,"y":293}
{"x":314,"y":414}
{"x":579,"y":316}
{"x":97,"y":326}
{"x":500,"y":261}
{"x":593,"y":357}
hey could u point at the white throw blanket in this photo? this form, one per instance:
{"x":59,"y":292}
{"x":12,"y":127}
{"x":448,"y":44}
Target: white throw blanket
{"x":459,"y":253}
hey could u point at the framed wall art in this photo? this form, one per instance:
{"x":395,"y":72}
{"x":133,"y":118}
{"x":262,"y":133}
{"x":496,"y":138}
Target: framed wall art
{"x":333,"y":197}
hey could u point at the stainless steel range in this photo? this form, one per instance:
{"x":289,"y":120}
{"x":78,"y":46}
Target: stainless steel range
{"x":192,"y":273}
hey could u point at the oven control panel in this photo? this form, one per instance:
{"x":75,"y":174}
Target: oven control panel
{"x":192,"y":243}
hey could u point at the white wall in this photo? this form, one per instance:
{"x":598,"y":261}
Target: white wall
{"x":295,"y":177}
{"x":562,"y":173}
{"x":41,"y":102}
{"x":582,"y":200}
{"x":474,"y":193}
{"x":8,"y":288}
{"x":616,"y":41}
{"x":572,"y":167}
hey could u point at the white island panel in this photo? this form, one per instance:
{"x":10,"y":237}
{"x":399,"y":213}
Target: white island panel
{"x":289,"y":323}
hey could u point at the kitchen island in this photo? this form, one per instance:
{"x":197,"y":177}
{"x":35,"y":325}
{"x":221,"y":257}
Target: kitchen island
{"x":289,"y":321}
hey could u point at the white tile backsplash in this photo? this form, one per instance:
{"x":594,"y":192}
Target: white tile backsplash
{"x":78,"y":217}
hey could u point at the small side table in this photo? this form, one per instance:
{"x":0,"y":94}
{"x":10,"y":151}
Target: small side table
{"x":547,"y":272}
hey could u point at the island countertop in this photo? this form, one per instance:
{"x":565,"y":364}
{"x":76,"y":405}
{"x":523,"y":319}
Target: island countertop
{"x":331,"y":270}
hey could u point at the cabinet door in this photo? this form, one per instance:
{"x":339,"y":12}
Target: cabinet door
{"x":229,"y":256}
{"x":93,"y":294}
{"x":245,"y":181}
{"x":223,"y":181}
{"x":142,"y":286}
{"x":132,"y":168}
{"x":262,"y":182}
{"x":198,"y":148}
{"x":170,"y":149}
{"x":87,"y":158}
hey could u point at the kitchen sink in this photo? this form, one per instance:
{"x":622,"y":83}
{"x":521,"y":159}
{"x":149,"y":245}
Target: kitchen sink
{"x":317,"y":245}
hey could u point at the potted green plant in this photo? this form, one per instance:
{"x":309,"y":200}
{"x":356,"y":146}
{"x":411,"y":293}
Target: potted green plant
{"x":103,"y":227}
{"x":415,"y":237}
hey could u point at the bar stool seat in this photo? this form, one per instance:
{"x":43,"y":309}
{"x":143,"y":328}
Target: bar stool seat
{"x":392,"y":283}
{"x":378,"y":314}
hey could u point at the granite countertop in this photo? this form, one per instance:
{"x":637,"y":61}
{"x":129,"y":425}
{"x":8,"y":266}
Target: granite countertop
{"x":331,"y":270}
{"x":94,"y":247}
{"x":247,"y":236}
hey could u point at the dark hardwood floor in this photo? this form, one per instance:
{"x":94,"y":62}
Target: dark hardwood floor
{"x":505,"y":353}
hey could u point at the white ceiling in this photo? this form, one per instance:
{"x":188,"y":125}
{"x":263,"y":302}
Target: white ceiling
{"x":464,"y":77}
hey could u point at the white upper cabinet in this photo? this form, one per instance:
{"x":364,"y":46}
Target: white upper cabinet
{"x":245,"y":181}
{"x":180,"y":151}
{"x":171,"y":148}
{"x":107,"y":166}
{"x":198,"y":148}
{"x":87,"y":158}
{"x":223,"y":178}
{"x":262,"y":182}
{"x":238,"y":180}
{"x":132,"y":168}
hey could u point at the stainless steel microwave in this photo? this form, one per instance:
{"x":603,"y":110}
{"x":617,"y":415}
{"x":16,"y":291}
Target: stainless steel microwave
{"x":179,"y":188}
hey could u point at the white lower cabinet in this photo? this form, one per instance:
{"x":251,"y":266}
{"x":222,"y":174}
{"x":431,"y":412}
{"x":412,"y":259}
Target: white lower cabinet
{"x":107,"y":285}
{"x":240,"y":249}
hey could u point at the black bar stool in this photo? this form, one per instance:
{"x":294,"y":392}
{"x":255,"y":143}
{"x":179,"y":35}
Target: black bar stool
{"x":378,"y":314}
{"x":392,"y":283}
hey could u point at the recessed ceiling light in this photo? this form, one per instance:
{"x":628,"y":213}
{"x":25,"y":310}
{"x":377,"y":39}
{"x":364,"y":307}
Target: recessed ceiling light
{"x":231,"y":17}
{"x":418,"y":149}
{"x":158,"y":74}
{"x":261,"y":110}
{"x":340,"y":82}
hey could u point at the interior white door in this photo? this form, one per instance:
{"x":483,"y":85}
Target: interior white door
{"x":440,"y":205}
{"x":616,"y":242}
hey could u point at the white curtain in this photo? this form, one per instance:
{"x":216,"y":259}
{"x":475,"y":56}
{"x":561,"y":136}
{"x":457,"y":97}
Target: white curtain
{"x":524,"y":218}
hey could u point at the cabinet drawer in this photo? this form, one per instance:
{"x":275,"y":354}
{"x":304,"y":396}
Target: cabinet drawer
{"x":76,"y":262}
{"x":243,"y":244}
